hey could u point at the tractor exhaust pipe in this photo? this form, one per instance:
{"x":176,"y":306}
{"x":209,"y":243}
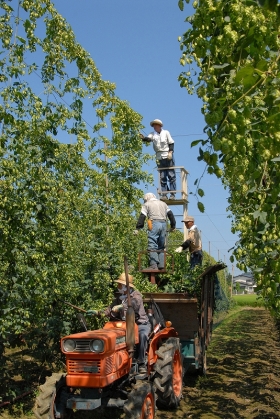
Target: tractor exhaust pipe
{"x":130,"y":316}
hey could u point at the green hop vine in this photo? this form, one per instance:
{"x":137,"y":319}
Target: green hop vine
{"x":69,"y":186}
{"x":231,"y":56}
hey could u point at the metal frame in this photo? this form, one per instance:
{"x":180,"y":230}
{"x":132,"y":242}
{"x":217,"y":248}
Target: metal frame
{"x":183,"y":200}
{"x":152,"y":272}
{"x":184,"y":185}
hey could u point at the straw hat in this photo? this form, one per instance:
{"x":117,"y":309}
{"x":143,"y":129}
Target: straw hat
{"x":188,"y":218}
{"x":122,"y":280}
{"x":156,"y":121}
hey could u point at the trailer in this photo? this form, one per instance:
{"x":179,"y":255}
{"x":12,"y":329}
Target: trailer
{"x":191,"y":317}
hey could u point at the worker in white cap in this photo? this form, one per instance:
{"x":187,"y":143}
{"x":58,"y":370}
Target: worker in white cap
{"x":193,"y":242}
{"x":157,"y":212}
{"x":163,"y":145}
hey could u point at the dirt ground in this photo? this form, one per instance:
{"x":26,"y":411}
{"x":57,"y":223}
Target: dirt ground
{"x":242,"y":381}
{"x":243,"y":373}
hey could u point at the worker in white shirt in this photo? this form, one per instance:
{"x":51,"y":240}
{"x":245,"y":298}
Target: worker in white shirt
{"x":163,"y":145}
{"x":157,"y":212}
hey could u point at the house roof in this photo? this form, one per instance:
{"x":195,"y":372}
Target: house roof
{"x":245,"y":279}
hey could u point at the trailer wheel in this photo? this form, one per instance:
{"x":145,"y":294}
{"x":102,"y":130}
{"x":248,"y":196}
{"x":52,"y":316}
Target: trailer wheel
{"x":51,"y":401}
{"x":169,"y":373}
{"x":141,"y":402}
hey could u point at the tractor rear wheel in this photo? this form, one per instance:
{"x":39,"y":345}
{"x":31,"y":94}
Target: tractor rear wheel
{"x":141,"y":402}
{"x":168,"y":380}
{"x":51,"y":401}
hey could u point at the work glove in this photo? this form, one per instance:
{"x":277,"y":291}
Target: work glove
{"x":92,"y":313}
{"x":145,"y":139}
{"x":135,"y":232}
{"x":170,"y":155}
{"x":117,"y":309}
{"x":179,"y":249}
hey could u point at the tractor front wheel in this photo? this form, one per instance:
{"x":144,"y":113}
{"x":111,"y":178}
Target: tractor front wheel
{"x":141,"y":402}
{"x":51,"y":400}
{"x":169,"y":373}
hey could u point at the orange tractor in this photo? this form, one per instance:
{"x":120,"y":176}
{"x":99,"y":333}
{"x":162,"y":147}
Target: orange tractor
{"x":102,"y":372}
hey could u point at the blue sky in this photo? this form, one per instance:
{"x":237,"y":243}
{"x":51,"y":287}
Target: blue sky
{"x":135,"y":45}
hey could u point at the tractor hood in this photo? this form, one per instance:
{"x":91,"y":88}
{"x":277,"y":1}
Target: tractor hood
{"x":112,"y":337}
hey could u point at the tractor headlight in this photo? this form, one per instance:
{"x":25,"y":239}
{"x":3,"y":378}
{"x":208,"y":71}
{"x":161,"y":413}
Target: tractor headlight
{"x":69,"y":345}
{"x":96,"y":345}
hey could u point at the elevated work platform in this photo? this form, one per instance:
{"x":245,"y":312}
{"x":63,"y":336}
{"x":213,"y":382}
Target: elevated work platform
{"x":181,"y":194}
{"x":181,"y":179}
{"x":152,"y":273}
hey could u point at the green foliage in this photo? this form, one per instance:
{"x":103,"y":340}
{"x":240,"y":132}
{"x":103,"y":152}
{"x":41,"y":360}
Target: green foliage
{"x":231,"y":55}
{"x":180,"y":278}
{"x":183,"y":279}
{"x":68,"y":190}
{"x":237,"y":287}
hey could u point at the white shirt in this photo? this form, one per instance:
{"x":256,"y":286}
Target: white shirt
{"x":155,"y":209}
{"x":161,"y":143}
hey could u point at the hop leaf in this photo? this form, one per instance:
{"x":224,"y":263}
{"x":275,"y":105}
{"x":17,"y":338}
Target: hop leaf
{"x":181,"y":5}
{"x":200,"y":192}
{"x":200,"y":206}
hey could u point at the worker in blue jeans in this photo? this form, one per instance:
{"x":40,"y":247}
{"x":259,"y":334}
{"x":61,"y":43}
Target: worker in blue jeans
{"x":163,"y":145}
{"x":156,"y":240}
{"x":165,"y":175}
{"x":157,"y":212}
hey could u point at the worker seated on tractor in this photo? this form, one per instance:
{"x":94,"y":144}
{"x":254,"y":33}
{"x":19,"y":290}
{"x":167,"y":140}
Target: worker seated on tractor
{"x":117,"y":310}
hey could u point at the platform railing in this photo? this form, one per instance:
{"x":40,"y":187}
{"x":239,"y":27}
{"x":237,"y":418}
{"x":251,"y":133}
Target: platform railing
{"x":181,"y":194}
{"x":181,"y":180}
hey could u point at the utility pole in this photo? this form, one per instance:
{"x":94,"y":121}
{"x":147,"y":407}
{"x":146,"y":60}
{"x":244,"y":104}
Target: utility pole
{"x":232,"y":269}
{"x":226,"y":287}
